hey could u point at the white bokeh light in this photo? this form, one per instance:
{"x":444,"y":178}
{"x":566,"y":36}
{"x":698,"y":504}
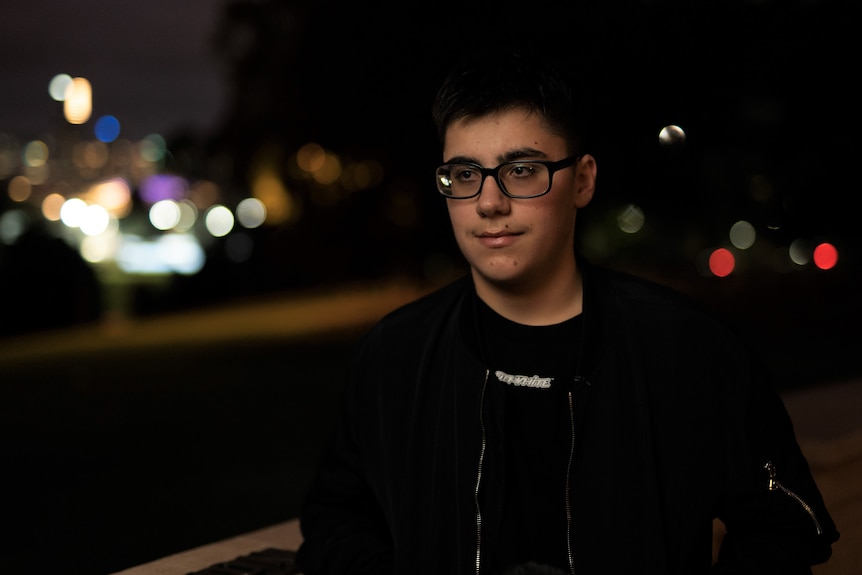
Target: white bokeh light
{"x":219,"y":221}
{"x":251,"y":212}
{"x":95,"y":220}
{"x":742,"y":235}
{"x":165,"y":215}
{"x":73,"y":212}
{"x":631,"y":219}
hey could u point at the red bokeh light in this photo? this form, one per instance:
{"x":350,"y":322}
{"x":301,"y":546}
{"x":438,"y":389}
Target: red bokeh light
{"x":825,"y":256}
{"x":721,"y":262}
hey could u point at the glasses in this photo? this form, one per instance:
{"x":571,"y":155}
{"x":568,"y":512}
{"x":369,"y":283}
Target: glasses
{"x":518,"y":179}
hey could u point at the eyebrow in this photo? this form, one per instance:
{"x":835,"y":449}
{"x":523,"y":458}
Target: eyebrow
{"x":510,"y":156}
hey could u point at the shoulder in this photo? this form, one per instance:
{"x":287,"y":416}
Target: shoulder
{"x":422,"y":316}
{"x":666,"y":322}
{"x":430,"y":305}
{"x":628,"y":286}
{"x":629,"y":296}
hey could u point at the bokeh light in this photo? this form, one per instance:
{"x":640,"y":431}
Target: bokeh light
{"x":721,"y":262}
{"x":188,"y":215}
{"x":169,"y":253}
{"x":113,"y":195}
{"x":799,"y":252}
{"x":13,"y":224}
{"x":631,"y":219}
{"x":251,"y":213}
{"x":164,"y":214}
{"x":19,"y":189}
{"x":107,"y":129}
{"x":89,"y":157}
{"x":101,"y":248}
{"x":163,"y":187}
{"x":52,"y":206}
{"x":825,"y":256}
{"x":152,"y":148}
{"x":310,"y":157}
{"x":219,"y":221}
{"x":73,"y":212}
{"x":281,"y":206}
{"x":742,"y":235}
{"x":78,"y":101}
{"x":35,"y":154}
{"x":58,"y":86}
{"x":94,"y":220}
{"x":671,"y":135}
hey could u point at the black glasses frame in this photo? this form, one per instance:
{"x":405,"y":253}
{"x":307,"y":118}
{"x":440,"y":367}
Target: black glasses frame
{"x":495,"y":173}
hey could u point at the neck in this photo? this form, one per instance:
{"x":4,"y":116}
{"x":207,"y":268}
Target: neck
{"x":546,"y":303}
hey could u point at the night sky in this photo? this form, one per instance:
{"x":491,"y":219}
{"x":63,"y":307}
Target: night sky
{"x":150,"y":63}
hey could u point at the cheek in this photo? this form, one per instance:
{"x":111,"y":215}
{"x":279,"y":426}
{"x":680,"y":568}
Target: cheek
{"x":553,"y":221}
{"x":457,"y":216}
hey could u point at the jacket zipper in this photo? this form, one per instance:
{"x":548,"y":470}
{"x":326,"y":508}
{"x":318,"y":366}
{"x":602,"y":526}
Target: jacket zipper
{"x":570,"y":553}
{"x":774,"y":485}
{"x":479,"y":474}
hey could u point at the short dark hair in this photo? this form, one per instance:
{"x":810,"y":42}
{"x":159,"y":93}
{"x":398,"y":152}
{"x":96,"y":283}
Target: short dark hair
{"x":495,"y":80}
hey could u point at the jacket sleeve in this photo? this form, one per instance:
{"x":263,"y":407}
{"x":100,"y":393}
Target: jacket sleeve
{"x":774,"y":514}
{"x":342,"y":522}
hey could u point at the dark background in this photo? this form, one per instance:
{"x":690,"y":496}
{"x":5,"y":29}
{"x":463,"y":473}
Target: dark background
{"x":109,"y":463}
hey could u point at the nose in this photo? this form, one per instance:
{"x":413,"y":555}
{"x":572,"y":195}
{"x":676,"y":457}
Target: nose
{"x":491,"y":200}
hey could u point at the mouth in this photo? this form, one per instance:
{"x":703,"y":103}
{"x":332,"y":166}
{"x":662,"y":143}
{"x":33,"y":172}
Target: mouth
{"x":499,"y":234}
{"x":497,"y":239}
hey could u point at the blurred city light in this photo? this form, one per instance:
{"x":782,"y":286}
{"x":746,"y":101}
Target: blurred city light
{"x":13,"y":223}
{"x":58,"y":86}
{"x":219,"y":221}
{"x":268,"y":187}
{"x":799,"y":252}
{"x":742,"y":235}
{"x":671,"y":135}
{"x":73,"y":212}
{"x":152,"y":148}
{"x":825,"y":256}
{"x":107,"y":129}
{"x":35,"y":154}
{"x":170,"y":253}
{"x":94,"y":220}
{"x":52,"y":207}
{"x":631,"y":219}
{"x":19,"y":189}
{"x":163,"y":187}
{"x":721,"y":262}
{"x":165,"y":214}
{"x":78,"y":101}
{"x":251,"y":213}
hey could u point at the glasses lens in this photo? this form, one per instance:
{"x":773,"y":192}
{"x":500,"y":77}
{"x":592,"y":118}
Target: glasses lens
{"x":458,"y":180}
{"x":524,"y":179}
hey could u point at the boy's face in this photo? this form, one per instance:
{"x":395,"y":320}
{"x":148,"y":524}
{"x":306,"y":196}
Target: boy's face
{"x":516,"y":244}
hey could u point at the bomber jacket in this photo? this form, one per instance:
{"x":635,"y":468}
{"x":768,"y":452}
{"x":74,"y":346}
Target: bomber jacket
{"x":675,"y":421}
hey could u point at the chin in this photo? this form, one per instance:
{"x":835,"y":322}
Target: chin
{"x":507,"y":279}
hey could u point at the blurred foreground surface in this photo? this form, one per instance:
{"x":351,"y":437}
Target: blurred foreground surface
{"x":127,"y":442}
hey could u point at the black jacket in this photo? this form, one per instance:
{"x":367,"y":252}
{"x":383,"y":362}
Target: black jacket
{"x":676,"y":423}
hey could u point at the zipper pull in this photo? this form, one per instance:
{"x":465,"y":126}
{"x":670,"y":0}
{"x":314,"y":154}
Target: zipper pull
{"x":770,"y":469}
{"x":774,"y":485}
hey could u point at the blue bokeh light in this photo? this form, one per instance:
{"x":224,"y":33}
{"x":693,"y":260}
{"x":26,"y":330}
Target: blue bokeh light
{"x":107,"y":129}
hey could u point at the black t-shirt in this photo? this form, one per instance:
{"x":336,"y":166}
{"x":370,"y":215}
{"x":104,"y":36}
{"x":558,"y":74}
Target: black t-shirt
{"x":534,"y":367}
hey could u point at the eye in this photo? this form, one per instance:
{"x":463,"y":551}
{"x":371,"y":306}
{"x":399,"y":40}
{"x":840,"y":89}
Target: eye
{"x":464,"y":173}
{"x":520,"y":170}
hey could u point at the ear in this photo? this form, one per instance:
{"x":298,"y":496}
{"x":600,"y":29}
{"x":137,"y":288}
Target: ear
{"x":585,"y":180}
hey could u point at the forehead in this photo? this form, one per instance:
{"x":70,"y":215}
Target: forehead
{"x":496,"y":134}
